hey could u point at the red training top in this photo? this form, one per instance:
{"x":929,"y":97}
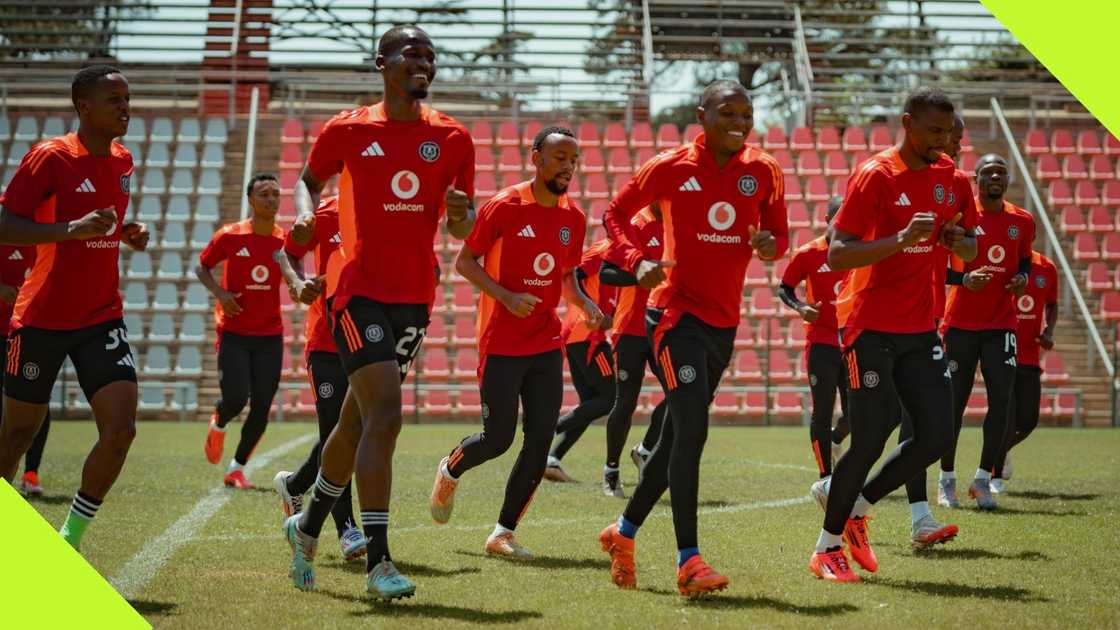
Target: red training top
{"x":1042,"y":289}
{"x":324,"y":241}
{"x":630,"y":312}
{"x":574,"y":328}
{"x":15,"y":265}
{"x":251,"y":273}
{"x":822,"y":284}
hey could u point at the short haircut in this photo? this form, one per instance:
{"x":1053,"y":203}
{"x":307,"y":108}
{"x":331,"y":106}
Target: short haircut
{"x":86,"y":79}
{"x":392,"y":39}
{"x":719,"y":87}
{"x":543,"y":135}
{"x":259,"y":177}
{"x":926,"y":97}
{"x":991,"y":158}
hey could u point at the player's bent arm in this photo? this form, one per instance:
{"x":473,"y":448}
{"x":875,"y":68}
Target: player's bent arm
{"x":461,"y":229}
{"x":17,"y":230}
{"x":291,"y":268}
{"x":788,"y":297}
{"x":1051,"y":320}
{"x":467,"y":265}
{"x":613,"y":275}
{"x":848,"y":251}
{"x":965,"y":249}
{"x":572,"y":290}
{"x":207,"y":279}
{"x":307,"y":193}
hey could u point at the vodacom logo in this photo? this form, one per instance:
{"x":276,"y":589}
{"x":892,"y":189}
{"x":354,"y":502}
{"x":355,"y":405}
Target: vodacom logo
{"x":996,"y":254}
{"x":405,"y":184}
{"x":544,"y":264}
{"x":721,"y":215}
{"x":259,"y":274}
{"x":1026,"y":303}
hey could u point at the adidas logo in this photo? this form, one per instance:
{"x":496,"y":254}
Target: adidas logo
{"x":824,"y":268}
{"x":16,"y":256}
{"x":690,"y":185}
{"x":653,"y":242}
{"x":373,"y":150}
{"x":527,"y":232}
{"x":87,"y":186}
{"x":979,"y":231}
{"x":903,"y":200}
{"x":127,"y":361}
{"x":243,"y":252}
{"x":336,"y":239}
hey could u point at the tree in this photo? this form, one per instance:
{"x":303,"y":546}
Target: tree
{"x":46,"y":30}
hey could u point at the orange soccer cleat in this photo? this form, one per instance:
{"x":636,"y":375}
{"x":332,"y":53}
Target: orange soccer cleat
{"x":236,"y":479}
{"x":621,"y":550}
{"x":215,"y":440}
{"x":696,"y":578}
{"x":855,"y":535}
{"x":832,"y":566}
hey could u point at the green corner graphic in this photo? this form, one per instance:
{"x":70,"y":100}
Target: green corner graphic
{"x":1076,"y":43}
{"x":53,"y":586}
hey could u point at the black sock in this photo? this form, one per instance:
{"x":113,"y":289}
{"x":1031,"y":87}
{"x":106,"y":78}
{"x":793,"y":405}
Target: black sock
{"x":315,"y":513}
{"x":375,"y":525}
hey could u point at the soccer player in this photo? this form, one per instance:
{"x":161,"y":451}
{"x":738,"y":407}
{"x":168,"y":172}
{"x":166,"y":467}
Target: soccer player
{"x":69,"y":197}
{"x":827,"y":376}
{"x":530,"y":236}
{"x":632,"y":353}
{"x":1037,"y":312}
{"x":250,"y":330}
{"x":721,"y":201}
{"x":980,"y":322}
{"x":589,"y":360}
{"x":403,"y":165}
{"x":324,"y":367}
{"x":895,"y":213}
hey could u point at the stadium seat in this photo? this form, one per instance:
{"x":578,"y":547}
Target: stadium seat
{"x":482,"y":134}
{"x":614,"y":136}
{"x":152,"y":397}
{"x":314,"y":128}
{"x":158,"y":156}
{"x":178,"y":209}
{"x":466,"y":364}
{"x":137,"y":151}
{"x":201,"y":233}
{"x":725,"y":404}
{"x":510,"y":161}
{"x":1061,"y":142}
{"x":512,"y":179}
{"x":139,"y":266}
{"x":53,"y":127}
{"x":618,"y":162}
{"x":820,"y":215}
{"x":854,"y":139}
{"x":618,"y":182}
{"x":5,"y":129}
{"x":435,"y":402}
{"x":1100,"y":219}
{"x":754,"y":403}
{"x":858,"y":158}
{"x":691,"y":131}
{"x":800,"y":237}
{"x":809,"y":163}
{"x":770,"y":333}
{"x":1111,"y":144}
{"x":213,"y":156}
{"x":793,"y":187}
{"x":170,"y":266}
{"x":135,"y":296}
{"x":816,"y":189}
{"x":1047,"y":167}
{"x":1110,"y":306}
{"x":762,"y":303}
{"x":1054,"y":369}
{"x":190,"y":132}
{"x":798,"y":215}
{"x":1073,"y":220}
{"x":291,"y":156}
{"x":174,"y":237}
{"x":785,"y":161}
{"x":529,"y":132}
{"x":216,"y":131}
{"x":163,"y":328}
{"x":157,"y":361}
{"x":595,"y":187}
{"x":796,"y":339}
{"x":780,"y":368}
{"x":206,"y":209}
{"x":777,"y":270}
{"x":668,"y":136}
{"x":1110,"y":193}
{"x":468,"y":402}
{"x":977,"y":404}
{"x":209,"y":182}
{"x":1100,"y":167}
{"x":463,"y":333}
{"x":153,"y":182}
{"x":828,"y":139}
{"x":744,"y":334}
{"x":166,"y":297}
{"x":149,"y":209}
{"x":801,"y":139}
{"x":1035,"y":143}
{"x":464,"y":299}
{"x":835,"y":164}
{"x":1059,"y":193}
{"x":747,"y":367}
{"x":756,"y":273}
{"x":788,"y":403}
{"x":591,"y":160}
{"x":137,"y":130}
{"x":1097,"y":277}
{"x":134,"y":326}
{"x":292,"y":132}
{"x":163,"y":130}
{"x":197,"y":298}
{"x":186,"y":156}
{"x":485,"y":187}
{"x":193,"y":329}
{"x":880,"y":139}
{"x":27,"y":129}
{"x":435,"y":366}
{"x":1073,"y":167}
{"x":1085,"y":247}
{"x":1110,"y":247}
{"x":1065,"y":404}
{"x":774,"y":139}
{"x":588,"y":135}
{"x":483,"y":159}
{"x":641,"y":136}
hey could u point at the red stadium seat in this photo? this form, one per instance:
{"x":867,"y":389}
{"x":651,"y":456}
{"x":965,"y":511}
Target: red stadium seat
{"x":1047,"y":167}
{"x":775,"y":138}
{"x":507,"y":135}
{"x":483,"y":159}
{"x":836,"y":164}
{"x":1110,"y":306}
{"x":777,"y":270}
{"x":592,"y":160}
{"x":1097,"y":277}
{"x":968,"y":163}
{"x":288,"y":180}
{"x":754,"y":403}
{"x":781,"y":369}
{"x":762,"y":303}
{"x":793,"y":187}
{"x":314,"y":129}
{"x":817,"y":189}
{"x":828,"y":139}
{"x":800,"y":237}
{"x":408,"y":400}
{"x":796,"y":338}
{"x":1100,"y":219}
{"x":966,"y":141}
{"x":595,"y":187}
{"x":643,"y":155}
{"x":1073,"y":167}
{"x":977,"y":405}
{"x":880,"y":139}
{"x":784,"y":159}
{"x":725,"y":404}
{"x":1035,"y":143}
{"x":1111,"y":144}
{"x":291,"y":156}
{"x":1059,"y":193}
{"x":292,"y":131}
{"x":839,"y":187}
{"x":691,"y":131}
{"x":858,"y":158}
{"x":435,"y":402}
{"x":1110,"y":247}
{"x":596,"y":210}
{"x":482,"y":134}
{"x":464,"y":299}
{"x":747,"y":367}
{"x":1110,"y":193}
{"x":809,"y":163}
{"x":1100,"y":167}
{"x":511,"y":178}
{"x":1061,"y":142}
{"x":1073,"y":220}
{"x":484,"y":187}
{"x":529,"y":132}
{"x":798,"y":215}
{"x":756,"y":273}
{"x":820,"y":215}
{"x":1054,"y":369}
{"x":752,"y":137}
{"x":854,"y":139}
{"x":1046,"y":406}
{"x":801,"y":139}
{"x":510,"y":160}
{"x":614,"y":135}
{"x":1088,"y":142}
{"x":771,"y":334}
{"x":618,"y":182}
{"x":435,"y":366}
{"x":619,"y":162}
{"x":468,"y":402}
{"x":744,"y":334}
{"x":466,"y":364}
{"x":787,"y":403}
{"x":641,"y":136}
{"x":463,"y":334}
{"x":668,"y":136}
{"x":1085,"y":247}
{"x":1065,"y":404}
{"x":588,"y":135}
{"x":436,"y":334}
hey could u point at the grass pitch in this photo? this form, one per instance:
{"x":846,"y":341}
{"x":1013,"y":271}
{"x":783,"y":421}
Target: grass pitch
{"x":1041,"y":561}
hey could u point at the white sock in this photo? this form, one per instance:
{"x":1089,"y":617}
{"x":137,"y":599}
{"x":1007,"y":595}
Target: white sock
{"x":553,"y":462}
{"x":643,"y":451}
{"x":608,"y":470}
{"x":983,"y":474}
{"x":827,"y":540}
{"x":217,"y":428}
{"x":826,"y":484}
{"x":233,"y":465}
{"x":861,"y":508}
{"x":918,"y":511}
{"x":947,"y":474}
{"x":499,"y":530}
{"x":446,"y":472}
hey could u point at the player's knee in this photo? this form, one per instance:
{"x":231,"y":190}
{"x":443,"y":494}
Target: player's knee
{"x":17,"y":437}
{"x":385,"y":426}
{"x":119,"y":438}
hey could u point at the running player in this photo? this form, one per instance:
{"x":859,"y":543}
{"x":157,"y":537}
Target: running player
{"x":632,"y":353}
{"x":530,"y":236}
{"x":1037,"y":311}
{"x":895,"y":214}
{"x":324,"y":368}
{"x":15,"y":263}
{"x":827,"y":377}
{"x":69,"y":198}
{"x":980,"y":322}
{"x":721,"y":201}
{"x":402,"y":165}
{"x":250,"y":330}
{"x":589,"y":359}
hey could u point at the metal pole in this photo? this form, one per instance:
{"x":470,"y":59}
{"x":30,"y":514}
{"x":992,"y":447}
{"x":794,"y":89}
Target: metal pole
{"x":250,"y":145}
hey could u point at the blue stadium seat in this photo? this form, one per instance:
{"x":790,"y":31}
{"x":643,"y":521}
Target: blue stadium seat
{"x":149,"y":209}
{"x":170,"y":266}
{"x":174,"y":237}
{"x":216,"y":130}
{"x":53,"y":127}
{"x":201,"y":234}
{"x":135,"y":326}
{"x":16,"y":152}
{"x":159,"y":155}
{"x":153,"y":182}
{"x":135,"y":296}
{"x":197,"y":299}
{"x":139,"y":266}
{"x":163,"y":130}
{"x":178,"y":209}
{"x":189,"y":131}
{"x":213,"y":156}
{"x":157,"y":361}
{"x":163,"y":328}
{"x":137,"y":130}
{"x":136,"y":150}
{"x":186,"y":156}
{"x":5,"y":129}
{"x":182,"y":182}
{"x":152,"y":397}
{"x":210,"y":182}
{"x":166,"y":297}
{"x":189,"y":361}
{"x":193,"y":328}
{"x":27,"y":129}
{"x":207,"y":209}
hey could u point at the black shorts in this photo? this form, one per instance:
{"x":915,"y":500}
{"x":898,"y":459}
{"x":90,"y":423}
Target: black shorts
{"x":368,"y":332}
{"x":100,"y":353}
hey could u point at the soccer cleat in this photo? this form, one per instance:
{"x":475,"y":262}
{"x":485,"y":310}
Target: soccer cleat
{"x":819,"y":491}
{"x":998,"y":486}
{"x":695,"y":578}
{"x":928,"y":532}
{"x":855,"y":535}
{"x":352,"y":544}
{"x":29,"y":484}
{"x":386,"y":583}
{"x":832,"y":566}
{"x":557,"y":474}
{"x":442,"y":499}
{"x":215,"y":440}
{"x":947,"y":493}
{"x":638,"y":459}
{"x":982,"y":492}
{"x":302,"y":569}
{"x":621,"y":549}
{"x":288,"y":503}
{"x":505,"y":546}
{"x":612,"y":485}
{"x":236,"y":479}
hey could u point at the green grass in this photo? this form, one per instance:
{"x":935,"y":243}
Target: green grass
{"x":1042,"y":561}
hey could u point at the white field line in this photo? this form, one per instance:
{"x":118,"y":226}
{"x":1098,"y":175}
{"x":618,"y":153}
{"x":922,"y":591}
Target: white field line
{"x":143,"y":566}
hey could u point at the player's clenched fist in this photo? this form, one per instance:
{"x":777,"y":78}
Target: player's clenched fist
{"x":458,"y":204}
{"x":95,"y":224}
{"x":303,"y":229}
{"x":136,"y":235}
{"x":521,"y":304}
